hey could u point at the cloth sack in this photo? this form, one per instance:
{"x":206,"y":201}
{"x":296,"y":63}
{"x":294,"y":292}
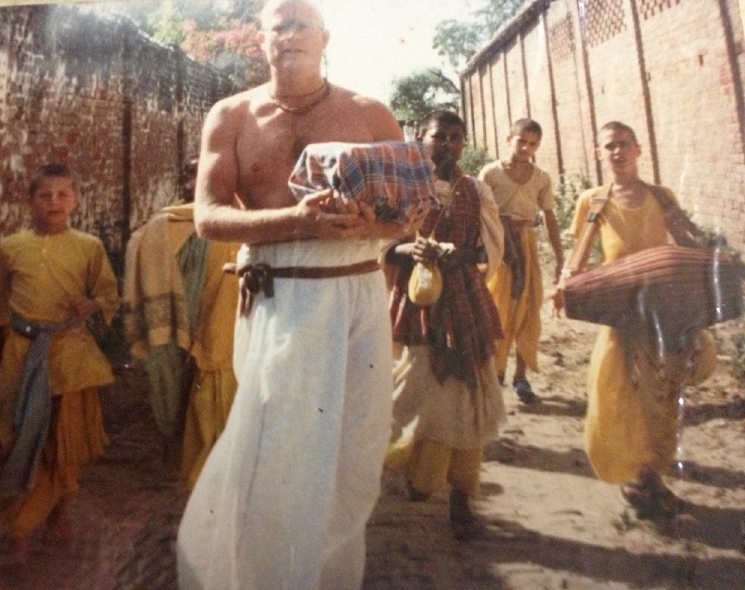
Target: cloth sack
{"x":425,"y":284}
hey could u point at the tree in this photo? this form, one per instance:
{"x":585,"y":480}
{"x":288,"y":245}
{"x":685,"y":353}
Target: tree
{"x":166,"y":23}
{"x":222,"y":34}
{"x":234,"y":50}
{"x":421,"y":92}
{"x":458,"y":41}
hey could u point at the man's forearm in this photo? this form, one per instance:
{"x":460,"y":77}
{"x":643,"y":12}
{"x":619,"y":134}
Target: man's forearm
{"x":228,"y":224}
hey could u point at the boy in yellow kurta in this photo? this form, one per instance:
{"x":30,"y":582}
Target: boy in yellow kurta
{"x":52,"y":280}
{"x":634,"y":387}
{"x":521,"y":190}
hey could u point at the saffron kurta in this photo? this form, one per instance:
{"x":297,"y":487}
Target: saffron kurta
{"x":521,"y":316}
{"x":39,"y":274}
{"x":157,"y":318}
{"x":633,"y":389}
{"x":182,"y":306}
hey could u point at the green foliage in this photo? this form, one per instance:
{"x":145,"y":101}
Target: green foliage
{"x":421,"y":92}
{"x":221,"y":34}
{"x":567,"y":191}
{"x":166,"y":23}
{"x":458,"y":41}
{"x":473,"y":160}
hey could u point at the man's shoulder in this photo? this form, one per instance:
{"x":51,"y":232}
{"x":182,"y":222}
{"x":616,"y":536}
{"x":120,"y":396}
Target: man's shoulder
{"x":239,"y":101}
{"x":349,"y":94}
{"x":371,"y":112}
{"x":366,"y":104}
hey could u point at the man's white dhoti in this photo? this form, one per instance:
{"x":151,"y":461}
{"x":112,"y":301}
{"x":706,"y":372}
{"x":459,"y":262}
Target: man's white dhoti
{"x":285,"y":495}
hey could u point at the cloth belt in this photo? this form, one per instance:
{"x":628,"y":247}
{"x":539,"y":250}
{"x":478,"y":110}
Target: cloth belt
{"x":33,"y":408}
{"x":259,"y":278}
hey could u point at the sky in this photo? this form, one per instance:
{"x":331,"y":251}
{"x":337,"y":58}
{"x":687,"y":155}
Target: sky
{"x":375,"y":41}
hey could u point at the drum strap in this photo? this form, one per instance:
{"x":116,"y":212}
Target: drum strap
{"x":581,"y":251}
{"x":679,"y":226}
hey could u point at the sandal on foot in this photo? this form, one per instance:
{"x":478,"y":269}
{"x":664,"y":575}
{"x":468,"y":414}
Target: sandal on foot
{"x":524,"y":391}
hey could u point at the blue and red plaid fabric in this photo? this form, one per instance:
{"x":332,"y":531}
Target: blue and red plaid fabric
{"x":393,"y":177}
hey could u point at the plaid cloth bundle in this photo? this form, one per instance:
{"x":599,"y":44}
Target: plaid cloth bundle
{"x":391,"y":176}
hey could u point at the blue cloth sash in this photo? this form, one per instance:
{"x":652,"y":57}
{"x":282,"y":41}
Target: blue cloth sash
{"x":33,"y":409}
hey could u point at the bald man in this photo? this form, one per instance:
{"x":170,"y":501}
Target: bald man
{"x":285,"y":495}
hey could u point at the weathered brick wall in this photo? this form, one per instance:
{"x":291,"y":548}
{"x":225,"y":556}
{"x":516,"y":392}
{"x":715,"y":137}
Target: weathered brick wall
{"x":122,"y":110}
{"x":672,"y":69}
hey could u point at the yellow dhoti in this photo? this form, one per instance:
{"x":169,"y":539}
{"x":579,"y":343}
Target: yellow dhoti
{"x":521,"y":317}
{"x":76,"y":437}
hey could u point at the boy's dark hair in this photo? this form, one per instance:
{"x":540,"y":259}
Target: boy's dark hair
{"x":440,"y":116}
{"x":529,"y":125}
{"x":47,"y":171}
{"x":618,"y":126}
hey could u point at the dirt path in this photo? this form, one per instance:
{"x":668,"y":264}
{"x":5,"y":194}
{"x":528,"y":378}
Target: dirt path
{"x":550,"y":522}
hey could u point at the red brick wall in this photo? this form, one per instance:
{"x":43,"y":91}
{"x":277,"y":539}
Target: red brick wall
{"x":672,"y":69}
{"x":122,"y":110}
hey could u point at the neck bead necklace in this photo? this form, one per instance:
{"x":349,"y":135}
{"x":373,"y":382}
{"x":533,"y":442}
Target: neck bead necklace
{"x":324,"y":89}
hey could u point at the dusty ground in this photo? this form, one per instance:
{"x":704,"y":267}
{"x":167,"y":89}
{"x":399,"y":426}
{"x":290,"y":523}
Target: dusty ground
{"x":550,"y":523}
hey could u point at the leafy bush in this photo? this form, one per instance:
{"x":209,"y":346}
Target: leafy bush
{"x":568,"y":189}
{"x":473,"y":160}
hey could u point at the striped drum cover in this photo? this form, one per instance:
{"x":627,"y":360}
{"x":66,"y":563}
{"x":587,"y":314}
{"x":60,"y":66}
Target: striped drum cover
{"x":672,"y":289}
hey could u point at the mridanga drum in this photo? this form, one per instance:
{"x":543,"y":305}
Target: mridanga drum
{"x":667,"y":290}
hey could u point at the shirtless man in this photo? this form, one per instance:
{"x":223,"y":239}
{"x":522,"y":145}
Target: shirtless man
{"x":285,"y":495}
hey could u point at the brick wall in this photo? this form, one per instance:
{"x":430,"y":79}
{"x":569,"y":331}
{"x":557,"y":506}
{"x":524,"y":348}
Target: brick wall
{"x":672,"y":69}
{"x":122,"y":110}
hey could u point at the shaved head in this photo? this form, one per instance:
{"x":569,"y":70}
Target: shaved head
{"x":309,"y":8}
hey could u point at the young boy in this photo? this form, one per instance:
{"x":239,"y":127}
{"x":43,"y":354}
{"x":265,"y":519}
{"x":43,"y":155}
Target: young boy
{"x":521,"y":189}
{"x":634,"y":386}
{"x":447,"y":399}
{"x":52,"y":279}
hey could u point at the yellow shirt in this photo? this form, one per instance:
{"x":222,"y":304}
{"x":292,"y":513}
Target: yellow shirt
{"x":39,"y":274}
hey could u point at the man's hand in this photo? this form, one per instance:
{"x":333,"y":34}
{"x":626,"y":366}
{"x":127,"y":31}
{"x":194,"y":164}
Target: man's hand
{"x":557,"y":300}
{"x":82,"y":307}
{"x":324,"y":215}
